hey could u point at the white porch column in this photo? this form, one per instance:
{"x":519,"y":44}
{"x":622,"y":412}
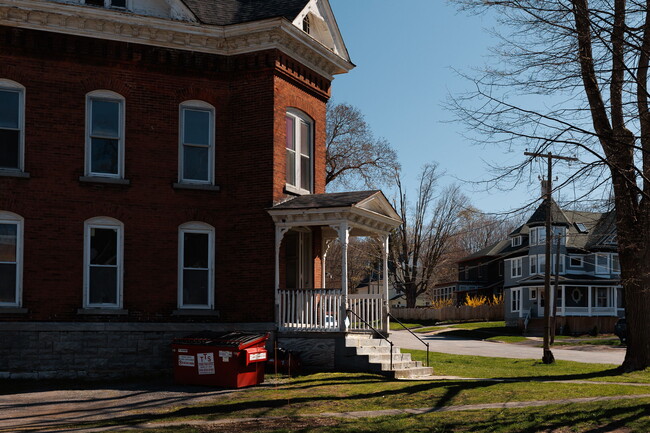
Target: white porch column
{"x":325,"y":246}
{"x":279,"y":234}
{"x":384,"y":254}
{"x":589,"y":290}
{"x":344,"y":237}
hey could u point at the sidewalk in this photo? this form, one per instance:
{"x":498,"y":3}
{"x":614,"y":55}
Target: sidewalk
{"x":458,"y":346}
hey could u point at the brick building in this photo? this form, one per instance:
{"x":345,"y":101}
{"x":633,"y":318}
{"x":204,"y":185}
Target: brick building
{"x":143,"y":145}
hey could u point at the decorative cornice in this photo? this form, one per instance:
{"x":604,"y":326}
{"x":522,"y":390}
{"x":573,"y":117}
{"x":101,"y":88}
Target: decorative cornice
{"x":276,"y":33}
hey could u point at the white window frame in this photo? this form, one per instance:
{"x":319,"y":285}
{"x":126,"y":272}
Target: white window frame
{"x":601,"y":269}
{"x":109,"y":224}
{"x":298,"y":188}
{"x":613,"y":258}
{"x":516,"y":241}
{"x":13,"y":86}
{"x":532,"y":263}
{"x":18,"y":221}
{"x":200,"y":228}
{"x":582,"y":261}
{"x":532,"y":295}
{"x":196,"y":106}
{"x":515,"y":300}
{"x":516,"y":265}
{"x":561,"y":232}
{"x":109,"y":96}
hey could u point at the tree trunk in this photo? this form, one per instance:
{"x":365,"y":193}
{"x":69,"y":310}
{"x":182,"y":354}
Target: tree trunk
{"x":634,"y":256}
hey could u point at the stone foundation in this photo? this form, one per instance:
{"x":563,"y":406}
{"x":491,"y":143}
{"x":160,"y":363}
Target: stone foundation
{"x":52,"y":350}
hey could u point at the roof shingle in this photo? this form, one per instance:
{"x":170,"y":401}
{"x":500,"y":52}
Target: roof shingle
{"x":228,"y":12}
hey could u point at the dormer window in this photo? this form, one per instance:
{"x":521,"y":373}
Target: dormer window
{"x":306,"y":24}
{"x":516,"y":241}
{"x":581,"y":228}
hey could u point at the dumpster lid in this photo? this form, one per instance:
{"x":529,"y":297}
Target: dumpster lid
{"x":236,"y":339}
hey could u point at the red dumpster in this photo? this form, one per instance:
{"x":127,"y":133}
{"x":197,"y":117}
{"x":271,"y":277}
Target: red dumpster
{"x":228,"y":360}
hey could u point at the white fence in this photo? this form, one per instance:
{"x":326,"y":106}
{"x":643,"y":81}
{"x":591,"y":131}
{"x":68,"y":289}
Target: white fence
{"x":320,"y":310}
{"x":368,"y":307}
{"x":310,"y":309}
{"x":483,"y":312}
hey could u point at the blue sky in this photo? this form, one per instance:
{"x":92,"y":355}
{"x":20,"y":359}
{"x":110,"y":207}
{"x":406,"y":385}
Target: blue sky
{"x":406,"y":53}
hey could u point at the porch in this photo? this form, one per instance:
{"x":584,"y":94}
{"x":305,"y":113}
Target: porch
{"x":303,"y":306}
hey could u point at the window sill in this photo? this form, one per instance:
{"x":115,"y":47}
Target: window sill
{"x":102,"y":312}
{"x":296,"y":191}
{"x":195,"y":312}
{"x":13,"y":173}
{"x":108,"y":180}
{"x":13,"y":310}
{"x":196,"y":186}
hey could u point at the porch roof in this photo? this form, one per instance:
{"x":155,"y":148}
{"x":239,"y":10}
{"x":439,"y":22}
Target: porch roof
{"x":366,"y":212}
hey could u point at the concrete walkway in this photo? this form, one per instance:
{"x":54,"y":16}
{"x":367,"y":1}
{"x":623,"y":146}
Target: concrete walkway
{"x":459,"y":346}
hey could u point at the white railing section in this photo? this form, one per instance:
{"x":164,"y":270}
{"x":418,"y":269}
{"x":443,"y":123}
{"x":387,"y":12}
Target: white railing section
{"x":369,"y":307}
{"x":310,"y":309}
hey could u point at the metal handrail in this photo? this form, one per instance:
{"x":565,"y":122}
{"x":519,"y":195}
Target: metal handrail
{"x":421,"y":340}
{"x":376,"y":332}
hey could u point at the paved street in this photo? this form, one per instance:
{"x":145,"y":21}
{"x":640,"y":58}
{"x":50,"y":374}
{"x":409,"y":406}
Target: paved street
{"x":459,"y":346}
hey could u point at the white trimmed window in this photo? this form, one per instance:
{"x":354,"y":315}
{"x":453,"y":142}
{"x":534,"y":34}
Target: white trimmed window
{"x":515,"y":301}
{"x":515,"y":267}
{"x":103,"y":262}
{"x":532,"y":262}
{"x":516,"y":241}
{"x":299,"y":146}
{"x":602,"y":263}
{"x":12,"y":125}
{"x":11,"y":259}
{"x":576,"y":261}
{"x":104,"y":134}
{"x":616,"y":264}
{"x":196,"y":142}
{"x":538,"y":235}
{"x":196,"y":266}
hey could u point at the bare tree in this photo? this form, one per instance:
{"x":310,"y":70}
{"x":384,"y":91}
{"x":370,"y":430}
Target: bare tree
{"x":354,"y":155}
{"x":477,"y":230}
{"x":586,"y":64}
{"x":419,"y":245}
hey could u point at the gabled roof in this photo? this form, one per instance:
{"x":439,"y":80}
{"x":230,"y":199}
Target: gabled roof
{"x":539,"y":216}
{"x":335,"y":199}
{"x":366,"y":212}
{"x":493,"y":250}
{"x":228,"y":12}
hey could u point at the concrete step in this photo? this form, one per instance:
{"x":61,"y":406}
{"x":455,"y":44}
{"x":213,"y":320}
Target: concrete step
{"x":412,"y":373}
{"x":385,"y":357}
{"x":365,"y":340}
{"x":374,"y":350}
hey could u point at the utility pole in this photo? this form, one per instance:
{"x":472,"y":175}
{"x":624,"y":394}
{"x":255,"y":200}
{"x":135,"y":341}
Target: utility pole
{"x":548,"y":357}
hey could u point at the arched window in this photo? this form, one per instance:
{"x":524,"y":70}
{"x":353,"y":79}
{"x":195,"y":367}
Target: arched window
{"x":103,"y":262}
{"x":12,"y":126}
{"x":196,"y":143}
{"x":104,"y":134}
{"x":196,"y":266}
{"x":299,"y":145}
{"x":11,"y":259}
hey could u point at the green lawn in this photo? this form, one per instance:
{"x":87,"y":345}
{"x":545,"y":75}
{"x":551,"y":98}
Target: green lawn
{"x":570,"y":418}
{"x":344,"y":392}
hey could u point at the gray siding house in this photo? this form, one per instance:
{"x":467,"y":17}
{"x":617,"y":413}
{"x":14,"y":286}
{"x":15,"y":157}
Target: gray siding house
{"x":588,"y":295}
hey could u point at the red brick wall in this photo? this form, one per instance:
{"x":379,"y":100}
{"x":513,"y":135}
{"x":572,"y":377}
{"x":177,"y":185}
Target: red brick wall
{"x":250,"y":97}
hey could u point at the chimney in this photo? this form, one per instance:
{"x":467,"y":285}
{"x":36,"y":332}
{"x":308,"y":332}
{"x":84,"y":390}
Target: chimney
{"x":544,"y":187}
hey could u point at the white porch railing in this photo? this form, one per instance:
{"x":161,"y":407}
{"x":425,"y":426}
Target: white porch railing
{"x":321,"y":310}
{"x":368,"y":307}
{"x":310,"y":309}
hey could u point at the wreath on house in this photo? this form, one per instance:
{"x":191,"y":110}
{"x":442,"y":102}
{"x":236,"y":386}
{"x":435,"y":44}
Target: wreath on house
{"x":576,"y":295}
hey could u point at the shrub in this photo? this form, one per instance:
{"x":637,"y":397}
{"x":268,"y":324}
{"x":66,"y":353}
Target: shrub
{"x":442,"y":303}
